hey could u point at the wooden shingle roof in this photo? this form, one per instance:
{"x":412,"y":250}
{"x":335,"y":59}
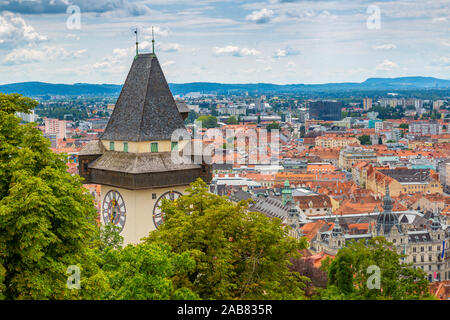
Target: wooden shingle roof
{"x":146,"y":109}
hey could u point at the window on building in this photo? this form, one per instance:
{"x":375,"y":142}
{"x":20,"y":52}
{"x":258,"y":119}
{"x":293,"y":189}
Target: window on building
{"x":111,"y":145}
{"x":154,"y":196}
{"x":154,"y":147}
{"x":125,"y":147}
{"x":175,"y":146}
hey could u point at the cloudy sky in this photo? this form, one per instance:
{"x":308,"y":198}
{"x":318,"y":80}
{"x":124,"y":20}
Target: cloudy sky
{"x":235,"y":41}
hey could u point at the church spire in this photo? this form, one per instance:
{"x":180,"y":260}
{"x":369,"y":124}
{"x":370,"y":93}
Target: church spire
{"x":387,"y":219}
{"x":337,"y":230}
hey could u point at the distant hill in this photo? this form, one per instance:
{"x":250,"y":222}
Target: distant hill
{"x":35,"y":89}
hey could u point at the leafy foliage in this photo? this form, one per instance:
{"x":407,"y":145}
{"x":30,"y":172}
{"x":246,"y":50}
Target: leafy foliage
{"x":365,"y":140}
{"x":145,"y":272}
{"x":238,"y":254}
{"x":47,"y":219}
{"x":232,"y":120}
{"x":208,"y":121}
{"x":348,"y":274}
{"x":273,"y":126}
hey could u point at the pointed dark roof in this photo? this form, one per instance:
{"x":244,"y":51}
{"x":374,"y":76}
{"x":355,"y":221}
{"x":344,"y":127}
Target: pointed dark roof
{"x":387,"y":220}
{"x":146,"y":109}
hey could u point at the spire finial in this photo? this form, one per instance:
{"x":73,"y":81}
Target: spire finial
{"x":153,"y":40}
{"x":137,"y":42}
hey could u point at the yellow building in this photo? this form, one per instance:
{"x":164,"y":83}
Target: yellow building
{"x":350,"y":156}
{"x":333,"y":141}
{"x":404,"y":181}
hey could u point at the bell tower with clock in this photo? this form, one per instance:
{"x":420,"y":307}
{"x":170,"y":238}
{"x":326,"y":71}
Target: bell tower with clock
{"x":132,"y":161}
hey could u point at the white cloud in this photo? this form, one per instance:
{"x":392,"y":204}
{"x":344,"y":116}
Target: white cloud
{"x":28,"y":55}
{"x":60,"y":6}
{"x":168,"y":63}
{"x":385,"y":46}
{"x":439,"y":19}
{"x":442,"y":61}
{"x":281,"y":53}
{"x":14,"y":31}
{"x":158,"y":31}
{"x":168,"y":47}
{"x":386,"y":65}
{"x":235,"y":51}
{"x":114,"y":63}
{"x":291,"y":65}
{"x":262,"y":16}
{"x":72,"y":36}
{"x":446,"y":43}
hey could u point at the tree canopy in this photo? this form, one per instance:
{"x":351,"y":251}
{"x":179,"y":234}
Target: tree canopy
{"x":208,"y":121}
{"x":365,"y":140}
{"x":232,"y":120}
{"x":349,"y":274}
{"x":47,"y":219}
{"x":238,"y":254}
{"x":273,"y":126}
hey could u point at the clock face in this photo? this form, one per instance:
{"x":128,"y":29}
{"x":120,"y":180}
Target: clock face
{"x":158,"y":215}
{"x":114,"y":210}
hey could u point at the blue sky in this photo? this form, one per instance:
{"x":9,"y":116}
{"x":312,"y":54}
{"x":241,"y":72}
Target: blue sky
{"x":278,"y":41}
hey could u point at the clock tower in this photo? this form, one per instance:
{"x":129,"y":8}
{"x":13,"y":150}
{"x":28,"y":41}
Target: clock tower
{"x":133,"y":160}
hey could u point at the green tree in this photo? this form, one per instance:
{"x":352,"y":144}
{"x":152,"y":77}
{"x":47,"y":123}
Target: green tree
{"x":47,"y":218}
{"x":404,"y":126}
{"x":238,"y":254}
{"x":302,"y":131}
{"x":147,"y":272}
{"x":349,"y":274}
{"x":208,"y":121}
{"x":232,"y":120}
{"x":192,"y":116}
{"x":365,"y":140}
{"x":273,"y":126}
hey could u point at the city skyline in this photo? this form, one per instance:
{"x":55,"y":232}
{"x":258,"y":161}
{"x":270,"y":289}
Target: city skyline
{"x":274,"y":41}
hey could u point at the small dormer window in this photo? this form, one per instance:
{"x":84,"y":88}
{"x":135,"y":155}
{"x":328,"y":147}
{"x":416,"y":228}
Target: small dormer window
{"x":154,"y":147}
{"x":111,"y":145}
{"x":175,"y":146}
{"x":125,"y":147}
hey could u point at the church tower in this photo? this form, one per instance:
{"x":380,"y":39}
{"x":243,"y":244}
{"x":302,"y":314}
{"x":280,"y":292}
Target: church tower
{"x":387,"y":220}
{"x":286,"y":193}
{"x":133,"y":160}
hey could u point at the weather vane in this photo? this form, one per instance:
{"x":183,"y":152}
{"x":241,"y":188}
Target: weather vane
{"x":153,"y":40}
{"x":137,"y":42}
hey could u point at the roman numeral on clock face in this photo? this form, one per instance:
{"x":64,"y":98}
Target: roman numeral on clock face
{"x":158,"y":215}
{"x":114,"y":209}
